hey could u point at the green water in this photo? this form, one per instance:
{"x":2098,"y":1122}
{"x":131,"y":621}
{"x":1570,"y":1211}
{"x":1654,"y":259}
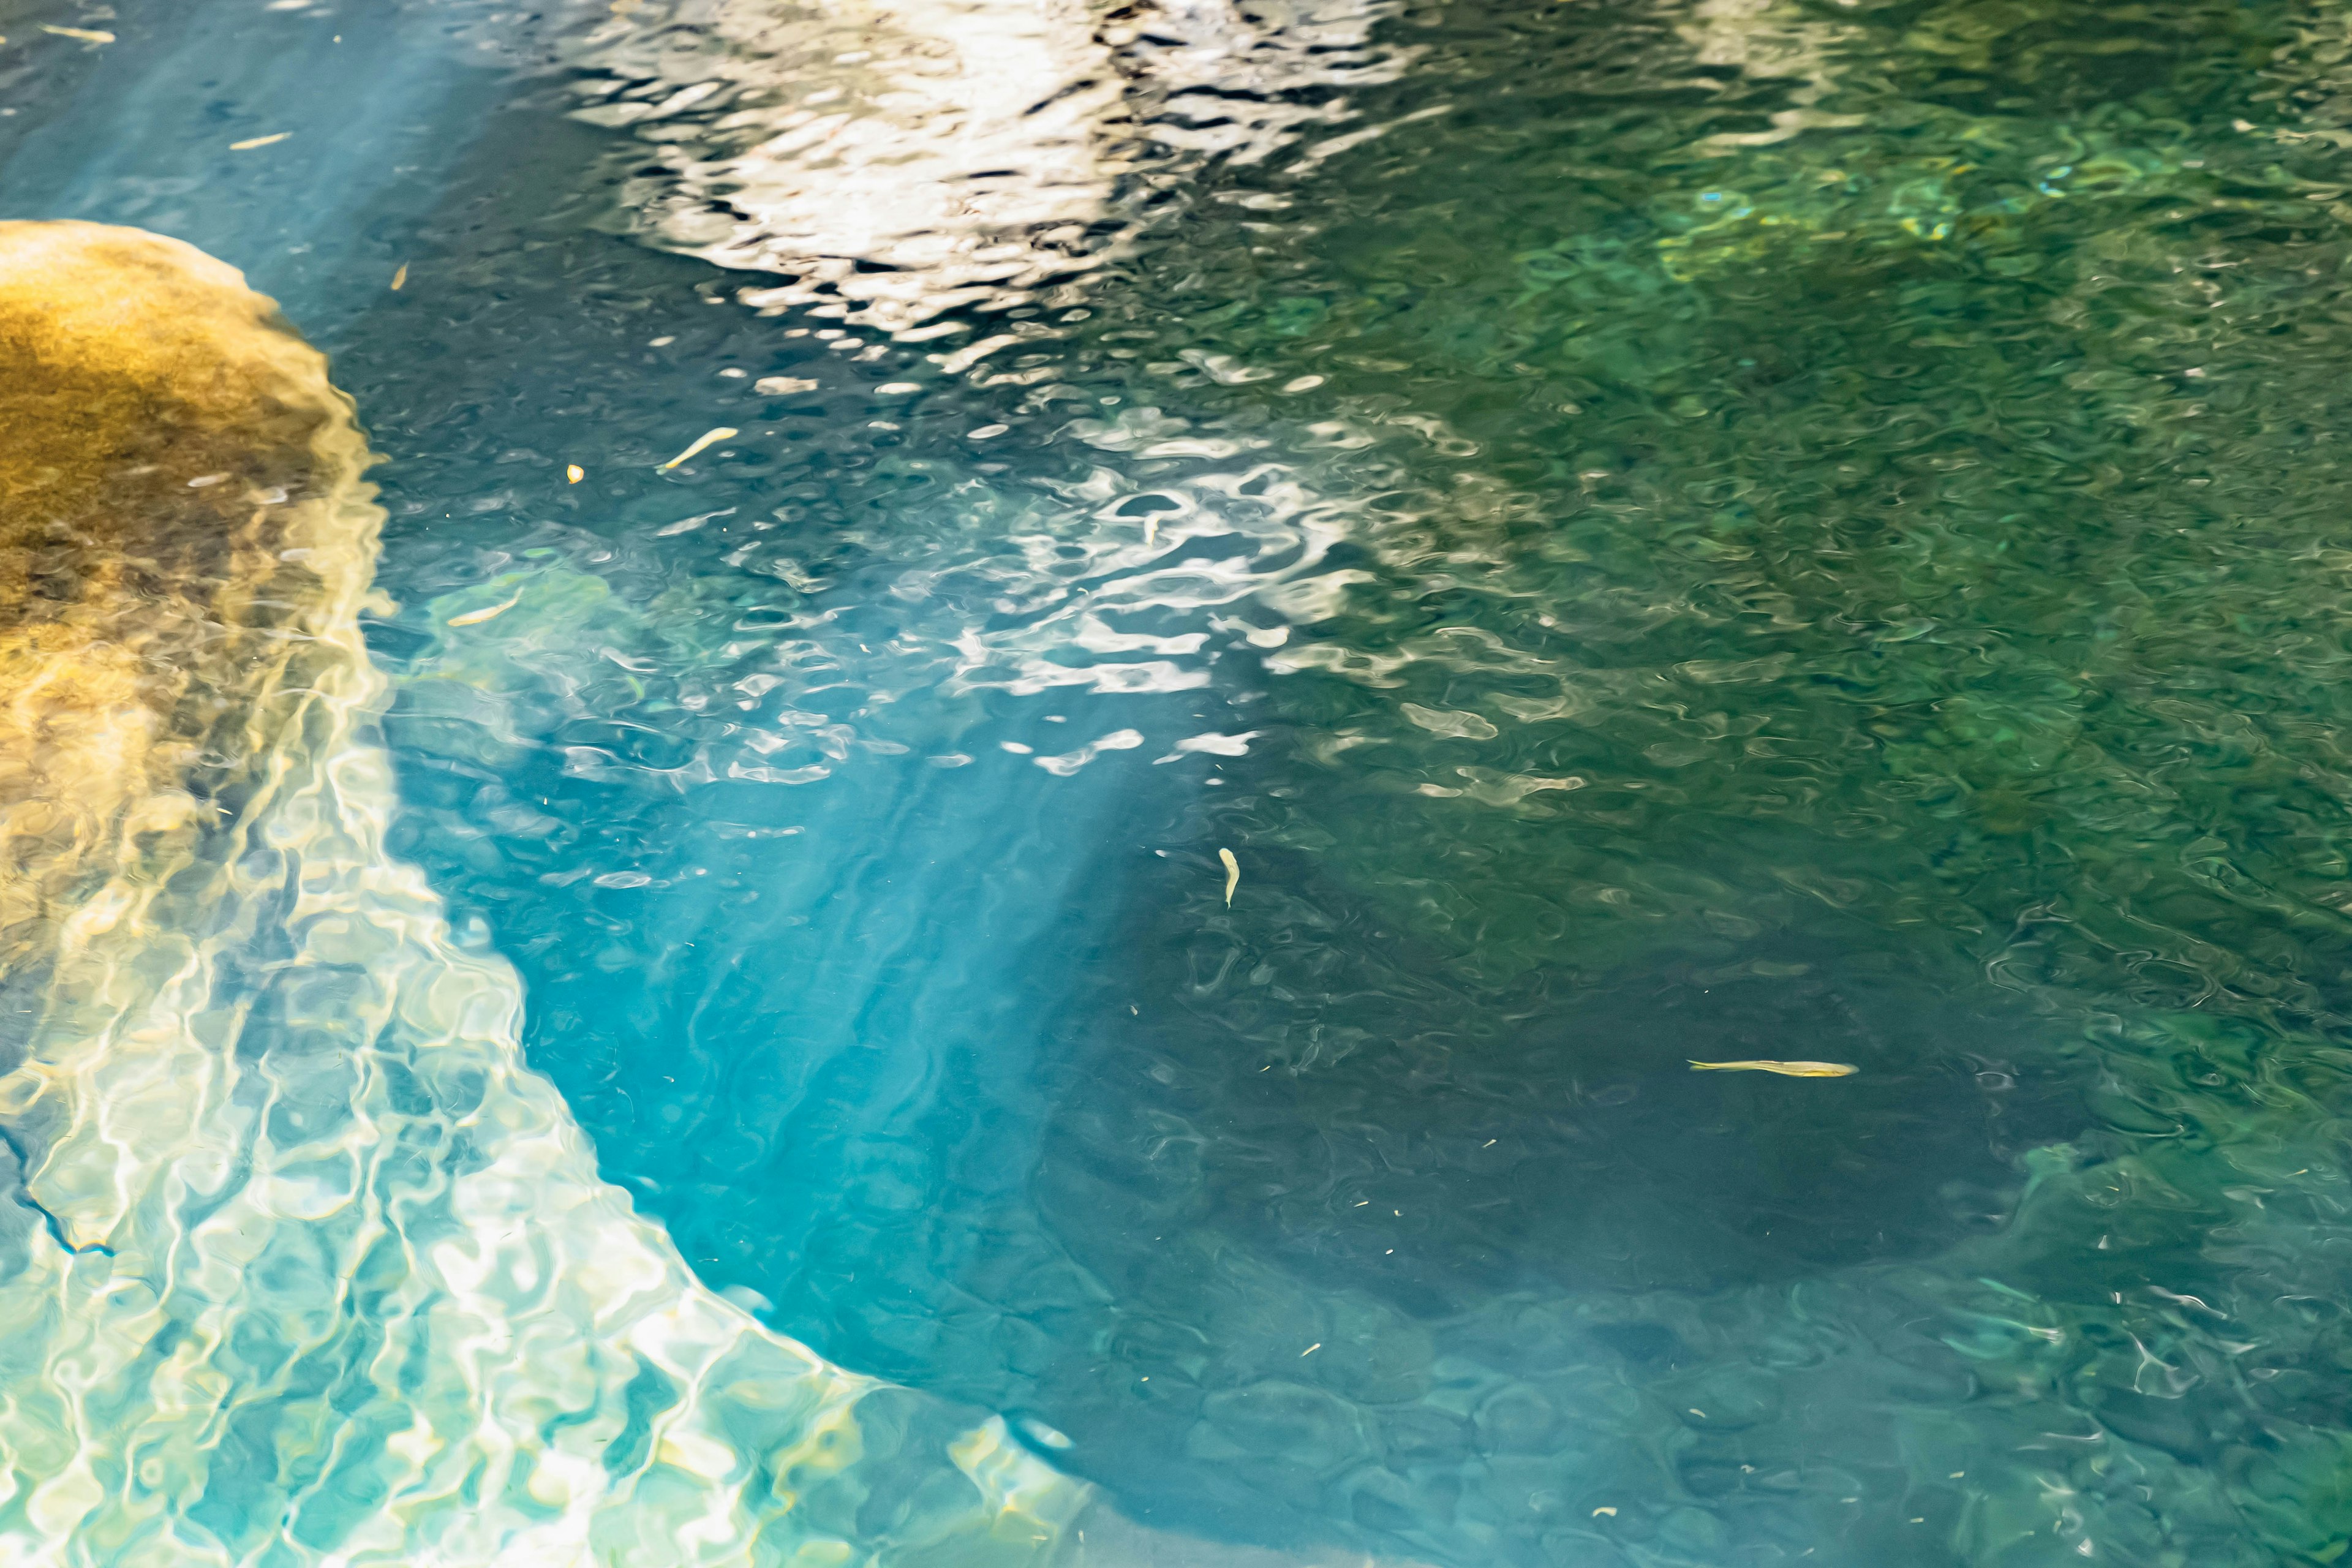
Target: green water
{"x":1831,"y":517}
{"x":1852,"y":565}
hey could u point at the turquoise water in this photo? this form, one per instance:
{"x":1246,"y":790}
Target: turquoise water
{"x":1650,"y":533}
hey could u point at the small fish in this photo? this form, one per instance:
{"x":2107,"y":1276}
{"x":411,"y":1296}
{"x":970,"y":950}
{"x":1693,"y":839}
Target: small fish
{"x":574,"y":473}
{"x":1232,"y":875}
{"x":400,"y":277}
{"x":706,"y":439}
{"x":476,"y":617}
{"x":248,"y":145}
{"x":1785,"y":1069}
{"x":87,"y":35}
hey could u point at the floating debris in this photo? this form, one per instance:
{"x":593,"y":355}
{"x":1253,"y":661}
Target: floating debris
{"x":87,"y":35}
{"x":688,"y":524}
{"x":1785,"y":1069}
{"x":476,"y":617}
{"x":574,"y":473}
{"x":400,"y":277}
{"x":248,"y":145}
{"x":706,"y":439}
{"x":1234,"y":879}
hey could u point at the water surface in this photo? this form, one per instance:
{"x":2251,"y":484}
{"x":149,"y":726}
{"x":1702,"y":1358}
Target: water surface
{"x":1652,"y":533}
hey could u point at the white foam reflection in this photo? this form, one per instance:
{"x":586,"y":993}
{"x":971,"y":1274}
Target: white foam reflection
{"x":913,"y":156}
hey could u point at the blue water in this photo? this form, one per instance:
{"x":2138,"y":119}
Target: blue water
{"x":1650,"y":534}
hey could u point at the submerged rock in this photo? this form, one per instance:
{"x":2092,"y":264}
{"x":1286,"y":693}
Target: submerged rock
{"x":329,"y":1274}
{"x":181,"y":525}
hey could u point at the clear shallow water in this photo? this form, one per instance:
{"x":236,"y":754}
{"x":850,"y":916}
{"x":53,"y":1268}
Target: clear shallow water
{"x":1811,"y":536}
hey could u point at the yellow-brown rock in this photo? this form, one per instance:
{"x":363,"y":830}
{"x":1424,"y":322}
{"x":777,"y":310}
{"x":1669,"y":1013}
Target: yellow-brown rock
{"x":181,"y":517}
